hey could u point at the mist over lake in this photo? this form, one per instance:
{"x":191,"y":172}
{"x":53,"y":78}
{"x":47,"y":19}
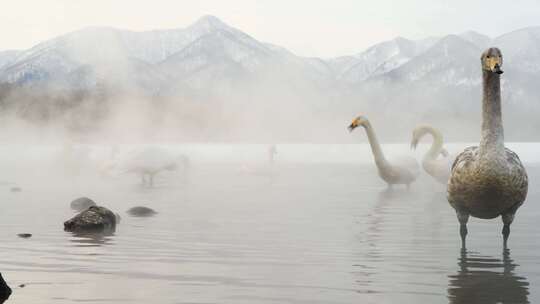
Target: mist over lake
{"x":269,"y":152}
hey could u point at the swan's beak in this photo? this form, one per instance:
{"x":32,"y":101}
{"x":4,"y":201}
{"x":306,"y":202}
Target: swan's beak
{"x":494,"y":64}
{"x":444,"y":152}
{"x":414,"y":143}
{"x":351,"y":127}
{"x":497,"y":69}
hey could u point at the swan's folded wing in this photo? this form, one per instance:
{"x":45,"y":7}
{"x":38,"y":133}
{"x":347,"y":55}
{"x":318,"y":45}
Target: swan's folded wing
{"x":407,"y":162}
{"x":520,"y":180}
{"x":466,"y":157}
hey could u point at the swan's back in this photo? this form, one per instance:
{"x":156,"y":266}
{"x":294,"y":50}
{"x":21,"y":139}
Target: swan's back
{"x":402,"y":170}
{"x":408,"y":163}
{"x":150,"y":159}
{"x":439,"y":168}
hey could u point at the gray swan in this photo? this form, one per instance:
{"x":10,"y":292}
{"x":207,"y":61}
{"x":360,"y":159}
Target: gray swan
{"x":403,"y":173}
{"x":436,"y":166}
{"x":489,"y":180}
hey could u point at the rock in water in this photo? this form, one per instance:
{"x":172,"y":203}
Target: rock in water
{"x":141,"y":211}
{"x":5,"y":291}
{"x":93,"y":219}
{"x":82,"y":203}
{"x":24,"y":235}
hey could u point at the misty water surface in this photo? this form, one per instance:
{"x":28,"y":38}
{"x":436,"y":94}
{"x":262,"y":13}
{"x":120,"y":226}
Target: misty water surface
{"x":318,"y":227}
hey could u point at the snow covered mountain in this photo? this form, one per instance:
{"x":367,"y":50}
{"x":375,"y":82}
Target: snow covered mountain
{"x":450,"y":61}
{"x":210,"y":60}
{"x":382,"y":58}
{"x":207,"y":52}
{"x":7,"y":57}
{"x":210,"y":51}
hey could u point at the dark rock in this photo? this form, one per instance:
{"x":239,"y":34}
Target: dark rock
{"x":93,"y":219}
{"x":82,"y":203}
{"x":5,"y":291}
{"x":22,"y":286}
{"x":24,"y":235}
{"x":141,"y":211}
{"x":15,"y":189}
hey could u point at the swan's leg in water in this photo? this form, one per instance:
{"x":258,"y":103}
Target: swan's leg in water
{"x":462,"y":218}
{"x":151,"y":175}
{"x":507,"y":219}
{"x":143,"y":179}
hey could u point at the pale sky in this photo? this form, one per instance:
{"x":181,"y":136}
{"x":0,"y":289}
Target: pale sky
{"x":306,"y":27}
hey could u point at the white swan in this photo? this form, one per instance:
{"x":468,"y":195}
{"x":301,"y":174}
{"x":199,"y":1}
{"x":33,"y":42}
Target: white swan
{"x":403,"y":172}
{"x":151,"y":161}
{"x":435,"y":165}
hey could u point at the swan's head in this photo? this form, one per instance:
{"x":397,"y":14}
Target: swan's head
{"x":492,"y":60}
{"x":358,"y":121}
{"x":417,"y":134}
{"x":444,"y":152}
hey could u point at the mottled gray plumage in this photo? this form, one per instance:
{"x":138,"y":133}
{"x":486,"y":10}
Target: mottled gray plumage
{"x":403,"y":172}
{"x":488,"y":180}
{"x":487,"y":189}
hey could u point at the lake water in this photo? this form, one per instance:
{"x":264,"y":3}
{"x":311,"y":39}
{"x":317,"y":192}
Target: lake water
{"x":318,"y":227}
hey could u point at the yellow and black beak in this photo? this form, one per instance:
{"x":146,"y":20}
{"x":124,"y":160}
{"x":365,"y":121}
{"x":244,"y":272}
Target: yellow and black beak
{"x":494,"y":64}
{"x":353,"y":125}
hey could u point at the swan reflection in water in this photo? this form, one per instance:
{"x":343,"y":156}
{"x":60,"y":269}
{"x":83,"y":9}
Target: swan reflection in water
{"x":484,"y":279}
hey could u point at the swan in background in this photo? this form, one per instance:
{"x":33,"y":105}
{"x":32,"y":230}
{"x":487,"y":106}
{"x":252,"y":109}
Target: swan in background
{"x":403,"y":172}
{"x":272,"y":152}
{"x":488,"y":180}
{"x":436,"y":166}
{"x":150,"y":161}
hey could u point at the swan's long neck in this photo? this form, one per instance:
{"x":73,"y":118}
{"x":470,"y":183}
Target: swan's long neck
{"x":492,"y":141}
{"x":436,"y":146}
{"x":380,"y":160}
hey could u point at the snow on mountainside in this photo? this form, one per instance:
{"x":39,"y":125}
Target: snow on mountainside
{"x":481,"y":41}
{"x":210,"y":53}
{"x":382,"y":58}
{"x":451,"y":61}
{"x":211,"y":70}
{"x":106,"y":49}
{"x":207,"y":51}
{"x":219,"y":45}
{"x":521,"y":49}
{"x":7,"y":57}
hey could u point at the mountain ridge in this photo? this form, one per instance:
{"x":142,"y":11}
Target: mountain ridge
{"x":211,"y":65}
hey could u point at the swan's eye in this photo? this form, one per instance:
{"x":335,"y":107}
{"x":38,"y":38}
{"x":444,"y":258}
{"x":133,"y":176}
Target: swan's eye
{"x":487,"y":56}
